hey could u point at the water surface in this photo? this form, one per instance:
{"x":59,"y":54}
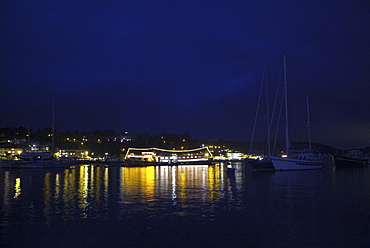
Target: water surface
{"x":183,"y":206}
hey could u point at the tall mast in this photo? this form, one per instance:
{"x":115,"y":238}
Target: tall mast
{"x":308,"y":125}
{"x":257,"y":110}
{"x":287,"y":143}
{"x":28,"y":136}
{"x":52,"y":135}
{"x":342,"y":137}
{"x":268,"y":114}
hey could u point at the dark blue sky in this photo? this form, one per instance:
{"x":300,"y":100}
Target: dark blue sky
{"x":185,"y":66}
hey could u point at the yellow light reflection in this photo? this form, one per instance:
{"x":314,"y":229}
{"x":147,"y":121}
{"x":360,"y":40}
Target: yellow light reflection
{"x":69,"y":186}
{"x":87,"y":188}
{"x":17,"y":188}
{"x":47,"y":196}
{"x":181,"y":185}
{"x":215,"y":182}
{"x":83,"y":189}
{"x":57,"y":187}
{"x":150,"y":174}
{"x":137,"y":184}
{"x":97,"y":183}
{"x":106,"y":184}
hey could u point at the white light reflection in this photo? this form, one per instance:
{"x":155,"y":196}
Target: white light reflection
{"x":164,"y":178}
{"x":222,"y":175}
{"x":6,"y":188}
{"x":174,"y":197}
{"x":92,"y":181}
{"x":204,"y":184}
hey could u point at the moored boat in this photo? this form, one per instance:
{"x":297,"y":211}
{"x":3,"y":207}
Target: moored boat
{"x":159,"y":156}
{"x":31,"y":160}
{"x":352,"y":159}
{"x":230,"y":170}
{"x":301,"y":161}
{"x":264,"y":163}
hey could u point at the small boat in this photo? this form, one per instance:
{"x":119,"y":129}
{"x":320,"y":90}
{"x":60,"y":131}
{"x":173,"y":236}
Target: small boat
{"x":353,"y":159}
{"x":229,"y":169}
{"x":263,"y":163}
{"x":31,"y":160}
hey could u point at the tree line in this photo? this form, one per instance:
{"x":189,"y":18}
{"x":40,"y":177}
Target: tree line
{"x":101,"y":142}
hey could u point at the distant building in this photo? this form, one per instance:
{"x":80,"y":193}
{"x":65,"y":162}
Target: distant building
{"x":10,"y":150}
{"x":73,"y":153}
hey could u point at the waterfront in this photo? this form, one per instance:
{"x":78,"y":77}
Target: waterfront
{"x":183,"y":206}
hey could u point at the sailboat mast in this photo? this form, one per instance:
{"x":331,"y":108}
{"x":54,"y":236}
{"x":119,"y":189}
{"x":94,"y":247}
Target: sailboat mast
{"x":308,"y":125}
{"x":257,"y":110}
{"x":52,"y":135}
{"x":268,"y":114}
{"x":286,"y":111}
{"x":28,"y":137}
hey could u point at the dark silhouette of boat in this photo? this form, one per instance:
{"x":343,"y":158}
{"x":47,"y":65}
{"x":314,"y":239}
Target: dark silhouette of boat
{"x":352,"y":159}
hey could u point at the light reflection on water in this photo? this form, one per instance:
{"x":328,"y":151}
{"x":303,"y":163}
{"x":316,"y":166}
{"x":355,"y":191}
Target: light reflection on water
{"x":90,"y":191}
{"x":293,"y":207}
{"x":170,"y":190}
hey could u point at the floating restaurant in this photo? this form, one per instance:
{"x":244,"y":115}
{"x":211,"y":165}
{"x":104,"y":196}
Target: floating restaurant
{"x":158,"y":156}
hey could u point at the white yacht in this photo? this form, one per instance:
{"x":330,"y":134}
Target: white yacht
{"x":300,"y":161}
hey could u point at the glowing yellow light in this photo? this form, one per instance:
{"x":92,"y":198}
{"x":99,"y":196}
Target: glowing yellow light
{"x":150,"y":175}
{"x":17,"y":187}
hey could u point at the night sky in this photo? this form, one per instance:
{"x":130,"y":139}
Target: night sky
{"x":186,"y":66}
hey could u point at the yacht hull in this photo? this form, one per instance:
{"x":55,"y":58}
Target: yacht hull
{"x":347,"y":162}
{"x":261,"y":164}
{"x":296,"y":164}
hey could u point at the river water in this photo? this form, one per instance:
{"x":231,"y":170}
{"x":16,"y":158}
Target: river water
{"x":184,"y":206}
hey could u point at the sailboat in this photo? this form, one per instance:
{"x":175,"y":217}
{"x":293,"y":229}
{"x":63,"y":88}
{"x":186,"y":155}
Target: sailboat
{"x":300,"y":161}
{"x":31,"y":160}
{"x":262,"y":162}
